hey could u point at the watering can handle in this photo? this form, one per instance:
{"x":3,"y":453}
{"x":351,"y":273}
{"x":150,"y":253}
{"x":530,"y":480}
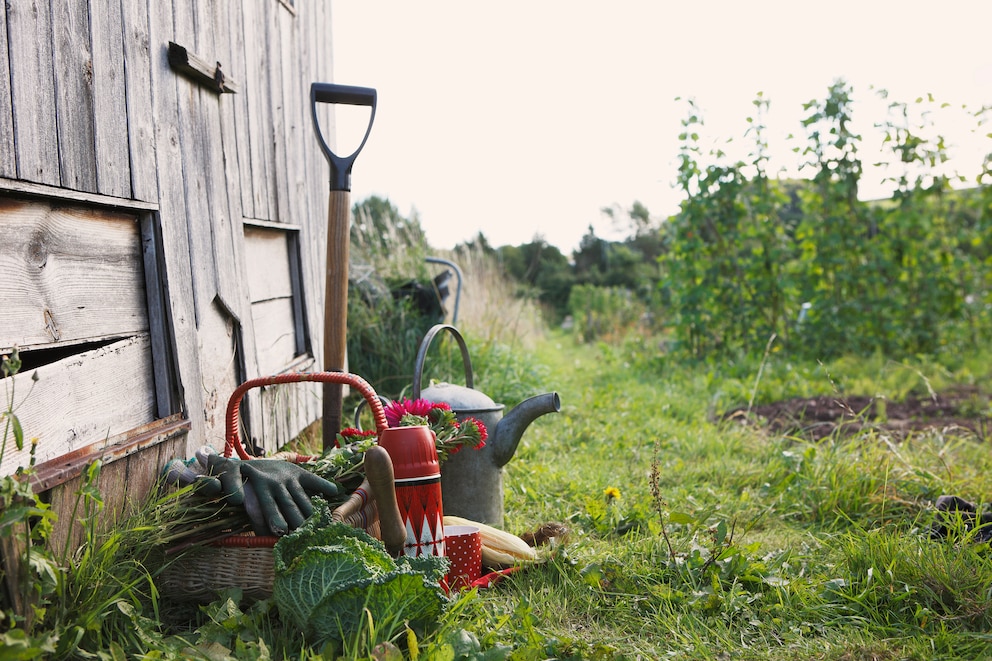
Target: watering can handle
{"x":418,"y":369}
{"x":361,"y":406}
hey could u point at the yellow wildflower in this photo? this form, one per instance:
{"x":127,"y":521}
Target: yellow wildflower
{"x":611,"y":493}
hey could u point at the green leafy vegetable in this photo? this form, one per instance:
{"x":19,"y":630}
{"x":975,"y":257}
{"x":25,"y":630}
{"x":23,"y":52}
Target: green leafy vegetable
{"x":327,"y":574}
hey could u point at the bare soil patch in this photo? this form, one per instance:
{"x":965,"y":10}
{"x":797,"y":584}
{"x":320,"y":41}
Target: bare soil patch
{"x":962,"y":411}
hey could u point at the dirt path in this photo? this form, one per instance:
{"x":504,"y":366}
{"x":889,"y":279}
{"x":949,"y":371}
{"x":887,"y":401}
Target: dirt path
{"x":961,"y":411}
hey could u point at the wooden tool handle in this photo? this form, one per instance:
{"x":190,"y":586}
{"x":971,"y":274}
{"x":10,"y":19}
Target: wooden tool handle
{"x":335,"y":308}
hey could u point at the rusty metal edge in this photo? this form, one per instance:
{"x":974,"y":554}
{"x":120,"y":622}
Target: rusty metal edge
{"x":62,"y":469}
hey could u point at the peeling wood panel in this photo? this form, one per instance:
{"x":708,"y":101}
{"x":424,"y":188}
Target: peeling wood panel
{"x":68,"y":275}
{"x":138,"y":92}
{"x":84,"y":399}
{"x":109,"y":99}
{"x":8,"y":164}
{"x":32,"y":83}
{"x":74,"y":95}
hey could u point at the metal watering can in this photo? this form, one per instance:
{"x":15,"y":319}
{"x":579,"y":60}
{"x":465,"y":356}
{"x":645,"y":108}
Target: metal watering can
{"x":472,"y":480}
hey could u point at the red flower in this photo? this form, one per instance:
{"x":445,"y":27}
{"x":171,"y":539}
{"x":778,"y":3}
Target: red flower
{"x":396,"y":410}
{"x":483,"y":433}
{"x":350,"y":435}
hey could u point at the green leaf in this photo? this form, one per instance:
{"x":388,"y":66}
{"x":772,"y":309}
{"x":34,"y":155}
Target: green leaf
{"x":18,"y":431}
{"x":681,"y":517}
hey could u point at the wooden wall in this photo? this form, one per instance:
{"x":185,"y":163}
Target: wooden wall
{"x":215,"y":205}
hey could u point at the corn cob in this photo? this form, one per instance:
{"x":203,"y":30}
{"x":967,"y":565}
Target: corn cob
{"x":499,"y":548}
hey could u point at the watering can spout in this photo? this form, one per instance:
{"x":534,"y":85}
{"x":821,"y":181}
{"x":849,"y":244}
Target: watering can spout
{"x":506,"y":437}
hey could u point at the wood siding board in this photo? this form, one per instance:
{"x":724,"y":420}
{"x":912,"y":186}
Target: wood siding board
{"x":312,"y":23}
{"x":159,"y":321}
{"x":216,"y":341}
{"x":230,"y":45}
{"x":138,"y":92}
{"x":260,"y":136}
{"x":293,"y":93}
{"x":8,"y":164}
{"x":68,"y":275}
{"x":271,"y":107}
{"x":109,"y":99}
{"x":32,"y":91}
{"x":74,"y":100}
{"x":175,"y":254}
{"x":239,"y":66}
{"x":193,"y":135}
{"x":219,"y":177}
{"x":83,"y":399}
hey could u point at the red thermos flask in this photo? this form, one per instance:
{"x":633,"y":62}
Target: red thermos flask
{"x":418,"y":487}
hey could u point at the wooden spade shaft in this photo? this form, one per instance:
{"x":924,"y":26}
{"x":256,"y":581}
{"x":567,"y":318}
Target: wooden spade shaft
{"x":335,"y":309}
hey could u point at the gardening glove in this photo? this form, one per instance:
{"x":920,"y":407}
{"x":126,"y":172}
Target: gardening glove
{"x":275,"y":493}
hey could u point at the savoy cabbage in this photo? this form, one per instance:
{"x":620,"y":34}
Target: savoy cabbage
{"x":327,"y":574}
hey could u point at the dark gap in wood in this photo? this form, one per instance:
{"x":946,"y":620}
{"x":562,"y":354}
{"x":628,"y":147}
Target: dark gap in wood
{"x":34,"y":358}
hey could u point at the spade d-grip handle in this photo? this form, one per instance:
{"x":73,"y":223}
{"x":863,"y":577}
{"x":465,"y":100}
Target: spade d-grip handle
{"x":347,"y":95}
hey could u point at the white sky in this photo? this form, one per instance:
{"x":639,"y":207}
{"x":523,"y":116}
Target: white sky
{"x":522,"y":118}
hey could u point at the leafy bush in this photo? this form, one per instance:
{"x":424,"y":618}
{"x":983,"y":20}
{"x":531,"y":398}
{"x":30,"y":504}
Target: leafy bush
{"x":808,"y":262}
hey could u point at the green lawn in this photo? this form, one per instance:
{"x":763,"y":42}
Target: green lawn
{"x":727,"y":542}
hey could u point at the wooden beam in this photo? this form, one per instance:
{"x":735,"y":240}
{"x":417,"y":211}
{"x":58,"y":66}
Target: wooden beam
{"x":199,"y":71}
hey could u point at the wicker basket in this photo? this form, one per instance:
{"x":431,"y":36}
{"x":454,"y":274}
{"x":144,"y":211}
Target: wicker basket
{"x":244,"y":561}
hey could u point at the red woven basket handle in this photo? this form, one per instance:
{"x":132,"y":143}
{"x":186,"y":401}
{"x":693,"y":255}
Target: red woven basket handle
{"x":232,"y":438}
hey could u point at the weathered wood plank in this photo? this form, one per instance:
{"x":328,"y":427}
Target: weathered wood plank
{"x":193,"y":135}
{"x":68,"y":275}
{"x":237,"y":61}
{"x":277,"y":19}
{"x":31,"y":189}
{"x":8,"y":164}
{"x":74,"y":95}
{"x":275,"y":336}
{"x":109,"y":99}
{"x":314,"y":22}
{"x":216,"y":330}
{"x":216,"y":180}
{"x":287,"y":410}
{"x":267,"y":261}
{"x":83,"y":399}
{"x":138,"y":90}
{"x":260,"y":147}
{"x":172,"y":217}
{"x":32,"y":90}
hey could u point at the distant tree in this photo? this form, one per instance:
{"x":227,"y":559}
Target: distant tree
{"x":543,"y":270}
{"x":590,"y":258}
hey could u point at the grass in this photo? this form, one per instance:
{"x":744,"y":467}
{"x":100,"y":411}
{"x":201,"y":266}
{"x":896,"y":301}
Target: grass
{"x":726,"y":542}
{"x":691,"y":537}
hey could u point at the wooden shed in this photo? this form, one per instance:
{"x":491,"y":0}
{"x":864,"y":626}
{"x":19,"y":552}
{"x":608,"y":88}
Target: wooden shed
{"x":162,"y":227}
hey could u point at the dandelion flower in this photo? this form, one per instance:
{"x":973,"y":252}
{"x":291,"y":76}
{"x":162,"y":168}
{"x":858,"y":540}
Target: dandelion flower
{"x":611,"y":493}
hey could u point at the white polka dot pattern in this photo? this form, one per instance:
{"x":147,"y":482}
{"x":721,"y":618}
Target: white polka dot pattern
{"x":463,"y":548}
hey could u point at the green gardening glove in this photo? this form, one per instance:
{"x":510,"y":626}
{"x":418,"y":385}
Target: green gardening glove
{"x":276,"y":493}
